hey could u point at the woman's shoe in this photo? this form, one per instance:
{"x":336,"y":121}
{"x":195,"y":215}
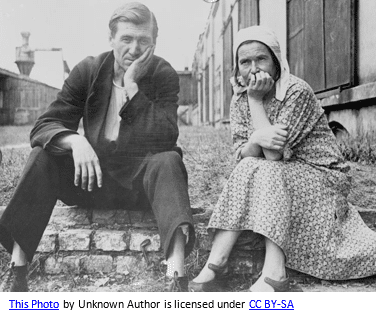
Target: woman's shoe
{"x":19,"y":275}
{"x":176,"y":283}
{"x":286,"y":285}
{"x":217,"y":284}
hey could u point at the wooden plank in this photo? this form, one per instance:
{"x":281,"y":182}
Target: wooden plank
{"x":227,"y":69}
{"x":202,"y":117}
{"x":362,"y":92}
{"x":338,"y":43}
{"x":295,"y":17}
{"x":206,"y":117}
{"x":217,"y":95}
{"x":314,"y":50}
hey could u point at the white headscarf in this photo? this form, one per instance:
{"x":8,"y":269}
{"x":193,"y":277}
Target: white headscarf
{"x":266,"y":36}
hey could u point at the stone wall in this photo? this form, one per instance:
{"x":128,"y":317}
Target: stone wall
{"x":109,"y":241}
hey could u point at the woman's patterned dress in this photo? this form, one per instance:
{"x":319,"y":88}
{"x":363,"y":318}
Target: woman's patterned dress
{"x":299,"y":202}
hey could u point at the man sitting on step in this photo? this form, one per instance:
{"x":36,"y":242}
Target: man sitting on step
{"x":127,"y":158}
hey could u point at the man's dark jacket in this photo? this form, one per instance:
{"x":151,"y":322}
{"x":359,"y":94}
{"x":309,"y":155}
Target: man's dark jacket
{"x":149,"y":119}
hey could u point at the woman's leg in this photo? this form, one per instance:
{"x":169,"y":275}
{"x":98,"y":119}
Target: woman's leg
{"x":222,"y":245}
{"x":274,"y":266}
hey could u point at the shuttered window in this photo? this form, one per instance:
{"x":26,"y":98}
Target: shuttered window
{"x":320,"y":42}
{"x":248,"y":13}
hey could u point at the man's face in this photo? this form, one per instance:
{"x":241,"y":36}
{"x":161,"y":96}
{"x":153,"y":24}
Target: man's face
{"x":130,"y":42}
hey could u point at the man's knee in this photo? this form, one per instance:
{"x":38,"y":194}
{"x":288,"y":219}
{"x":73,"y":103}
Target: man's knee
{"x":168,"y":160}
{"x":168,"y":165}
{"x":40,"y":155}
{"x":41,"y":161}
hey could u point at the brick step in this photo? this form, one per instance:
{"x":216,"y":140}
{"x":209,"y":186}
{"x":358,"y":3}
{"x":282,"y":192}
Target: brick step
{"x":110,"y":241}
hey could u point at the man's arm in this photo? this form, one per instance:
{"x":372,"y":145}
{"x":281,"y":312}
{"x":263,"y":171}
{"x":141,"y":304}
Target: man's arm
{"x":64,"y":114}
{"x":87,"y":169}
{"x":56,"y":130}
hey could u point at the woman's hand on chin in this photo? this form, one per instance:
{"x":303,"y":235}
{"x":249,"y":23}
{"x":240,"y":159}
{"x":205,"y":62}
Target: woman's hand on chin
{"x":259,"y":85}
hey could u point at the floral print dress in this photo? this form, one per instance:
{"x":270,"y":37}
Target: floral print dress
{"x":299,"y":202}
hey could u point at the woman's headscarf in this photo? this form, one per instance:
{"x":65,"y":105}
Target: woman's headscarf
{"x":266,"y":36}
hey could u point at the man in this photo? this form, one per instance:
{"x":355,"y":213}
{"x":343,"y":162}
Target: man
{"x":127,"y":158}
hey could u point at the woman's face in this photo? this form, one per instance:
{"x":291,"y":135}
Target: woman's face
{"x":255,"y":57}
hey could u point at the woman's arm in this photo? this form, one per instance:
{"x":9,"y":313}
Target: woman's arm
{"x":271,"y":138}
{"x":240,"y":131}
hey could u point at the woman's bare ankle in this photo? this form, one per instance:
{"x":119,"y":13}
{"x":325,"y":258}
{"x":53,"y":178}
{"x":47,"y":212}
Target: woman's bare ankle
{"x":205,"y":275}
{"x":278,"y":275}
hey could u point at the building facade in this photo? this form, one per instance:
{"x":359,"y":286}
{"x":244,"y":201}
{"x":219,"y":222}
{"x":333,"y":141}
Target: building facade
{"x":187,"y":111}
{"x":328,"y":43}
{"x":22,"y":99}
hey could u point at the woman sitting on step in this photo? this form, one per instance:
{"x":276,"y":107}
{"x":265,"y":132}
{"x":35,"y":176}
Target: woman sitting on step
{"x":291,"y":183}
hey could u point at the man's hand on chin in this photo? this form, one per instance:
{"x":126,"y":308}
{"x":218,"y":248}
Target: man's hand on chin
{"x":137,"y":70}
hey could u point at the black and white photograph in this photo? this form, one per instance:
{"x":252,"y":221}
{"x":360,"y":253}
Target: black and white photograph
{"x":188,"y":146}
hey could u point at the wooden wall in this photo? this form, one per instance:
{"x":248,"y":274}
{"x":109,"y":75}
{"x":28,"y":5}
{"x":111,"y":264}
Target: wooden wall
{"x":23,"y":96}
{"x":188,"y":90}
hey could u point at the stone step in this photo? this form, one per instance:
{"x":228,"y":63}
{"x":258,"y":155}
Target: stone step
{"x":109,"y":241}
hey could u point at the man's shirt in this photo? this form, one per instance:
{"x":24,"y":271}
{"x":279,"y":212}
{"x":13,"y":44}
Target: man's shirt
{"x":112,"y":124}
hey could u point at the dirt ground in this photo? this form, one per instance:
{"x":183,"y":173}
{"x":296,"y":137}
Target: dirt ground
{"x":151,"y":282}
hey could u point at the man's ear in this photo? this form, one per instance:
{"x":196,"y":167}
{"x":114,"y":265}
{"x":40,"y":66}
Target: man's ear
{"x":110,"y":39}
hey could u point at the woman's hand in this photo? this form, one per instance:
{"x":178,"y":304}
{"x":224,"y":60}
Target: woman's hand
{"x":259,"y":84}
{"x":272,"y":137}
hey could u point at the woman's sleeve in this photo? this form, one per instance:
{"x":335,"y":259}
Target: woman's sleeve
{"x":239,"y":126}
{"x":300,"y":111}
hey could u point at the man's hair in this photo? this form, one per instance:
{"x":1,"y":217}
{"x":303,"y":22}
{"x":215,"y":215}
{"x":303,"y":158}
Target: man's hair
{"x":135,"y":13}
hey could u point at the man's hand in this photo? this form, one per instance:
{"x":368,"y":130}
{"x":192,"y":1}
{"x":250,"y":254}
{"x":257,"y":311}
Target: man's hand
{"x":139,"y":67}
{"x":272,"y":138}
{"x":259,"y":85}
{"x":86,"y":164}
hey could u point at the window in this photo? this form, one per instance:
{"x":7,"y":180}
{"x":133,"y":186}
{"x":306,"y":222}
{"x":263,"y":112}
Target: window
{"x":321,"y":42}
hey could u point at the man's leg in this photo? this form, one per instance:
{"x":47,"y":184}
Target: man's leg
{"x":18,"y":256}
{"x":28,"y":212}
{"x":175,"y":260}
{"x":166,"y":187}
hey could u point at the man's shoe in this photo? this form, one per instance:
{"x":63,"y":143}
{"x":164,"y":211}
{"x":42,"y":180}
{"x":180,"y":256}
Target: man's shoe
{"x":176,"y":283}
{"x":219,"y":283}
{"x":19,"y":276}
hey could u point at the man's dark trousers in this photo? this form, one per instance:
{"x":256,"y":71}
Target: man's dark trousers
{"x":162,"y":185}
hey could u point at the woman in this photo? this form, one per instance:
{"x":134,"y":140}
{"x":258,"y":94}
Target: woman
{"x":291,"y":182}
